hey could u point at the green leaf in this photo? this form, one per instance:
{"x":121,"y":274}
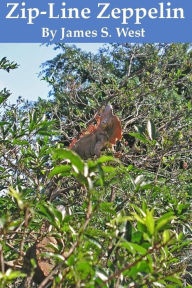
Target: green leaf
{"x":44,"y":132}
{"x":151,"y":130}
{"x":10,"y":275}
{"x":150,"y":222}
{"x":20,"y":142}
{"x":163,"y":220}
{"x":46,"y":212}
{"x":18,"y":197}
{"x":138,"y":218}
{"x":3,"y":98}
{"x":62,"y":169}
{"x":16,"y":274}
{"x":33,"y":263}
{"x":133,"y":248}
{"x":71,"y":156}
{"x":166,"y":236}
{"x":189,"y":106}
{"x":140,"y":137}
{"x":83,"y":267}
{"x":101,"y":175}
{"x":94,"y":241}
{"x":104,"y":159}
{"x":139,"y":210}
{"x":107,"y":207}
{"x":136,"y":236}
{"x":141,"y":267}
{"x":53,"y":215}
{"x":109,"y":169}
{"x":174,"y":279}
{"x":2,"y":123}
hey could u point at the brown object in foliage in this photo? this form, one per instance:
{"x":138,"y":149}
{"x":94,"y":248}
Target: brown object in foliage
{"x":107,"y":131}
{"x":185,"y":165}
{"x":44,"y":264}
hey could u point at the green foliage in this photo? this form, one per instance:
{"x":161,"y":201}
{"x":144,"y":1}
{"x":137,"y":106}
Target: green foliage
{"x":114,"y":222}
{"x":10,"y":276}
{"x":7,"y":66}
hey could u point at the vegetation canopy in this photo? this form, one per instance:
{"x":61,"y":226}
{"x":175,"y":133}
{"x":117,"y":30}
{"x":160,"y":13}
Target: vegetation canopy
{"x":122,"y":219}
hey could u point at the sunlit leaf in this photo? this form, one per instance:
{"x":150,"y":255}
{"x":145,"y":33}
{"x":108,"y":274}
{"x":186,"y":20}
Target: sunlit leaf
{"x":133,"y":247}
{"x":18,"y":197}
{"x":69,"y":155}
{"x":163,"y":220}
{"x":151,"y":130}
{"x":105,"y":158}
{"x":62,"y":169}
{"x":140,"y":137}
{"x":150,"y":222}
{"x":94,"y":241}
{"x":166,"y":236}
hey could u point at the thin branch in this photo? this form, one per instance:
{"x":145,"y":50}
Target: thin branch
{"x":2,"y":264}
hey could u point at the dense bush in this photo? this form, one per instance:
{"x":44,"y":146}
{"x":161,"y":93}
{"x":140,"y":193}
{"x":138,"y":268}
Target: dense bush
{"x":107,"y":222}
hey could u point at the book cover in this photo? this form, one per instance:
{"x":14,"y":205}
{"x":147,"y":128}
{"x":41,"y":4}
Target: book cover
{"x":95,"y":143}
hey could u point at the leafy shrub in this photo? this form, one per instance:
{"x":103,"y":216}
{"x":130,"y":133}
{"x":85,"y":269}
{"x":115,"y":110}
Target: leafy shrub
{"x":106,"y":222}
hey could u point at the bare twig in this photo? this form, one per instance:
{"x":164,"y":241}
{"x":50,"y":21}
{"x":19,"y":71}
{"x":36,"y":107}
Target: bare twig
{"x":2,"y":260}
{"x":112,"y":196}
